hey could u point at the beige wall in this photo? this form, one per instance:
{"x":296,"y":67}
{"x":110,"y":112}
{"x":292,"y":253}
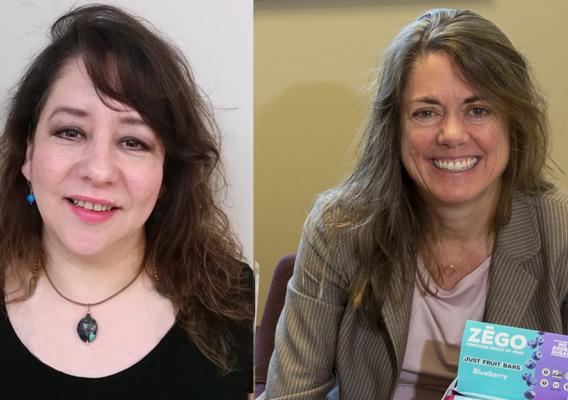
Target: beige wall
{"x":313,"y":59}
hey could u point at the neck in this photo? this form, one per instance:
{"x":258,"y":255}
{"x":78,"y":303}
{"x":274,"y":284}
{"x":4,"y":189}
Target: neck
{"x":463,"y":222}
{"x":461,"y":225}
{"x":460,"y":238}
{"x":89,"y":279}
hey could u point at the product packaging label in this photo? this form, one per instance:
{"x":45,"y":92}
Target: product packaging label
{"x":503,"y":362}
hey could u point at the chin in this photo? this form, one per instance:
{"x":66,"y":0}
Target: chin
{"x":86,"y":246}
{"x":443,"y":196}
{"x":459,"y":199}
{"x":88,"y":251}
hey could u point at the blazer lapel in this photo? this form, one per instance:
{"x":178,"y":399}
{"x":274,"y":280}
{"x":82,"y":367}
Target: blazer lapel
{"x":396,"y":314}
{"x":511,"y":282}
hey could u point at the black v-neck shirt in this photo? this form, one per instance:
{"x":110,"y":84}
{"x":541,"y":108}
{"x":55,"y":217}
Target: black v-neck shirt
{"x":174,"y":369}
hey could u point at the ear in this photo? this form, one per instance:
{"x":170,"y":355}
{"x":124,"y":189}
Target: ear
{"x":27,"y":167}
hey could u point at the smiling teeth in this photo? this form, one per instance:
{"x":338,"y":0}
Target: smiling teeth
{"x":462,"y":165}
{"x":91,"y":206}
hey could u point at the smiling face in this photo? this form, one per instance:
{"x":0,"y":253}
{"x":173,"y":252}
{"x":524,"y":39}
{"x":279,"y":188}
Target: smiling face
{"x":454,"y":146}
{"x":96,"y":172}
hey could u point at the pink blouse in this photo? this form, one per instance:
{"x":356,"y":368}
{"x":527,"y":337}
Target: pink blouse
{"x":435,"y":333}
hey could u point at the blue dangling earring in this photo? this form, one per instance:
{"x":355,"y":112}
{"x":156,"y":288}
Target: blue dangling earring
{"x":30,"y":197}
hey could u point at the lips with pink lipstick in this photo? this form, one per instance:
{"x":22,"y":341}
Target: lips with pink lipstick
{"x":457,"y":164}
{"x":87,"y":205}
{"x":91,"y":210}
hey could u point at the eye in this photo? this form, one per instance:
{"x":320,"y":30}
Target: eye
{"x":423,"y":114}
{"x":426,"y":116}
{"x":69,"y":133}
{"x":132,"y":143}
{"x":479,"y":112}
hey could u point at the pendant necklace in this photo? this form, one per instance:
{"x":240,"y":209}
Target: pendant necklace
{"x":449,"y":270}
{"x":87,"y":327}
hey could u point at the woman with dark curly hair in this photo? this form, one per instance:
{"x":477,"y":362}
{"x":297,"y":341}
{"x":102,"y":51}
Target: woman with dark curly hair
{"x":121,"y":275}
{"x":446,"y":217}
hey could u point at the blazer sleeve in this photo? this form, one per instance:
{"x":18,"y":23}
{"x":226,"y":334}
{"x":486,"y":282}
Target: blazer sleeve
{"x":302,"y":364}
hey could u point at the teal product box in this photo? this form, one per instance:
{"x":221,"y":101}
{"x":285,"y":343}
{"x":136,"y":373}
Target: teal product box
{"x":503,"y":362}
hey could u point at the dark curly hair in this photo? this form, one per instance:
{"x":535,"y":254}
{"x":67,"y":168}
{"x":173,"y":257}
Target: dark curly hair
{"x":188,"y":237}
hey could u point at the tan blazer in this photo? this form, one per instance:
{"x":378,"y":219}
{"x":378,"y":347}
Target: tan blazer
{"x":319,"y":342}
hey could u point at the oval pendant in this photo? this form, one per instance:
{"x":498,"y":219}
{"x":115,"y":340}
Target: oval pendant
{"x":87,"y":328}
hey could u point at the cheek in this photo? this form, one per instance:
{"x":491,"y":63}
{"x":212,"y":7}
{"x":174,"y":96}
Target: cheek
{"x":499,"y":145}
{"x":46,"y":167}
{"x":410,"y":151}
{"x":145,"y":188}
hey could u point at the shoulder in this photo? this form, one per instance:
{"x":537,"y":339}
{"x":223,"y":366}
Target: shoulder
{"x":552,"y":208}
{"x":544,"y":214}
{"x":327,"y":255}
{"x":329,"y":228}
{"x":550,"y":212}
{"x":537,"y":222}
{"x":331,"y":217}
{"x":555,"y":197}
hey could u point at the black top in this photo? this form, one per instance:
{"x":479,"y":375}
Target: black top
{"x":174,"y":369}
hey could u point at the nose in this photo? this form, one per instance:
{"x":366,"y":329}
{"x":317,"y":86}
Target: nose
{"x":98,"y":163}
{"x":453,"y":131}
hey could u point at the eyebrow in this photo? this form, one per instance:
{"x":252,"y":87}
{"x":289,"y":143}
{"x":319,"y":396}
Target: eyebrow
{"x":133,"y":120}
{"x":78,"y":112}
{"x":433,"y":101}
